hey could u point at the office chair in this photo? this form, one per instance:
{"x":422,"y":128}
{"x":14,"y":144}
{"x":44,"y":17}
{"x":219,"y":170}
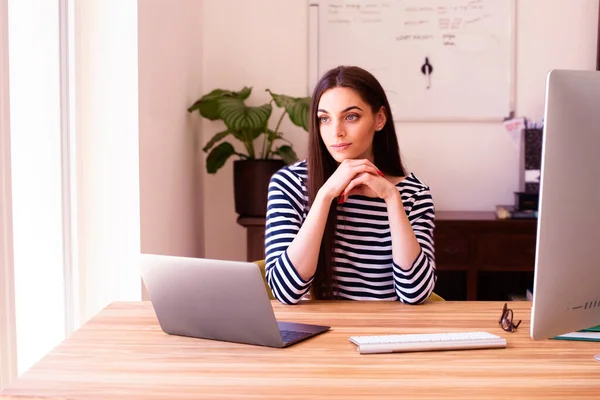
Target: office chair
{"x":261,"y":265}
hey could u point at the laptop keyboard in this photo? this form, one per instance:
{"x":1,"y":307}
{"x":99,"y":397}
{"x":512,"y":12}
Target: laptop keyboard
{"x":292,"y":336}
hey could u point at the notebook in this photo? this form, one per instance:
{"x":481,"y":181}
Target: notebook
{"x":588,"y":335}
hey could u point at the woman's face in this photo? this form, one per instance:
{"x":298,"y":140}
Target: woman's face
{"x":347,"y":124}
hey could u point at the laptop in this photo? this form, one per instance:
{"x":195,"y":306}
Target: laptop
{"x":216,"y":299}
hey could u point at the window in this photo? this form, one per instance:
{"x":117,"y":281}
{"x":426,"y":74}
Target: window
{"x":7,"y":317}
{"x":37,"y":203}
{"x":74,"y":196}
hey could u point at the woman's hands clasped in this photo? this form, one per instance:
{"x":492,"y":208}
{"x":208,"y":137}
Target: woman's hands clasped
{"x":358,"y":177}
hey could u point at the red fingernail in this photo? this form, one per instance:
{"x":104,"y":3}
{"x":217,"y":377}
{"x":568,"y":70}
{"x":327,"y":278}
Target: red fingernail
{"x":380,"y":173}
{"x":340,"y":200}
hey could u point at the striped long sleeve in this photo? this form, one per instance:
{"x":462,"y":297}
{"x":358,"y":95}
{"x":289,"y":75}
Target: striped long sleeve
{"x":287,"y":199}
{"x":416,"y":284}
{"x":363,"y":264}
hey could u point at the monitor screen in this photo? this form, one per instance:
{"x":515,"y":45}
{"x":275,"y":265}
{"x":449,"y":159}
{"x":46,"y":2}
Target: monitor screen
{"x":566,"y":291}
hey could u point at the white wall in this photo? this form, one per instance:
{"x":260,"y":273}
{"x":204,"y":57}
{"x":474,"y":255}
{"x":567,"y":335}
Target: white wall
{"x":170,"y":79}
{"x":259,"y":43}
{"x":262,"y":43}
{"x":108,"y":218}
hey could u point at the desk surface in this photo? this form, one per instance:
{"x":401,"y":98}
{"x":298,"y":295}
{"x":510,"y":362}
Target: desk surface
{"x":122,"y":353}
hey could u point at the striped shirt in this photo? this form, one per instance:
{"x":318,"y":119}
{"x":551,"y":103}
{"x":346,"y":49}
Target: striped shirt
{"x":363,"y":267}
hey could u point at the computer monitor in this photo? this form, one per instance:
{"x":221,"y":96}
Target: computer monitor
{"x":566,"y":290}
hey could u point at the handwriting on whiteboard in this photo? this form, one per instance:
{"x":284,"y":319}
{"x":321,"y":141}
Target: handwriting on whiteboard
{"x":455,"y":24}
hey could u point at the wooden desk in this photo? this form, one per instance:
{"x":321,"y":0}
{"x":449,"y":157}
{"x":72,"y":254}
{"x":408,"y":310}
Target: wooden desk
{"x":123,"y":354}
{"x":478,"y":257}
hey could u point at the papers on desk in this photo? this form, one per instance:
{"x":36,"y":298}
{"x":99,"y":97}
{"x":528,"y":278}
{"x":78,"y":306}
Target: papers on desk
{"x":588,"y":335}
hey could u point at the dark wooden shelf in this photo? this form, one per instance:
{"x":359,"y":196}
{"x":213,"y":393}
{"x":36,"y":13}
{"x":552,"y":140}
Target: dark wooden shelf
{"x":497,"y":257}
{"x":478,"y":257}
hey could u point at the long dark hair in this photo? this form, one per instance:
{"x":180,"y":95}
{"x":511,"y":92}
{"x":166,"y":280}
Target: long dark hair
{"x":321,"y":164}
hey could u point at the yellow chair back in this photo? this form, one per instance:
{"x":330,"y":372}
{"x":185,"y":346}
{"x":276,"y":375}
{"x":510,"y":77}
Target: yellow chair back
{"x":435,"y":297}
{"x":261,"y":265}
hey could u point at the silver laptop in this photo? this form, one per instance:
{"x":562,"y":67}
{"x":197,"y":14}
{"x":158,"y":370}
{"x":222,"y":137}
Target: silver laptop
{"x":215,"y":299}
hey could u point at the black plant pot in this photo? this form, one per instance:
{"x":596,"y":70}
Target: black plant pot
{"x":250,"y":185}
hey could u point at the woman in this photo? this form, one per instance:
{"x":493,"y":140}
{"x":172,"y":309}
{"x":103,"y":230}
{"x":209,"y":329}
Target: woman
{"x":349,"y":222}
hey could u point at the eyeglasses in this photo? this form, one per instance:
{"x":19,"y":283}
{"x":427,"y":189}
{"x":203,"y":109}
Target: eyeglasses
{"x":506,"y":320}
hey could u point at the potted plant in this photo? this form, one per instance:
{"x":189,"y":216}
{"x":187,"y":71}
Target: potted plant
{"x":265,"y":149}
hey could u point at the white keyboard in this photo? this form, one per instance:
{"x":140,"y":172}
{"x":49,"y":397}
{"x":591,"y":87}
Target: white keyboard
{"x":427,"y":342}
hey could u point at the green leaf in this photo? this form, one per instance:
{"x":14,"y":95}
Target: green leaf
{"x":215,"y":139}
{"x":244,"y":93}
{"x":239,"y":135}
{"x":238,"y":116}
{"x":217,"y":94}
{"x":274,"y":135}
{"x":218,"y":156}
{"x":208,"y":105}
{"x":297,"y":108}
{"x":255,"y":133}
{"x":287,"y":154}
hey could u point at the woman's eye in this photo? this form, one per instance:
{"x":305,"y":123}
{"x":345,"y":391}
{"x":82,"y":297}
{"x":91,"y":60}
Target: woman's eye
{"x":352,"y":117}
{"x":323,"y":119}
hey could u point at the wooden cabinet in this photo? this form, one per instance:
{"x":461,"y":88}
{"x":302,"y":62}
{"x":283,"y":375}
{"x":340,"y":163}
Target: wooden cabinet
{"x":478,"y":257}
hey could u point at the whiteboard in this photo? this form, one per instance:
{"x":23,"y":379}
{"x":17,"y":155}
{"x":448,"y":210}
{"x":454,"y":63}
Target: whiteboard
{"x":437,"y":60}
